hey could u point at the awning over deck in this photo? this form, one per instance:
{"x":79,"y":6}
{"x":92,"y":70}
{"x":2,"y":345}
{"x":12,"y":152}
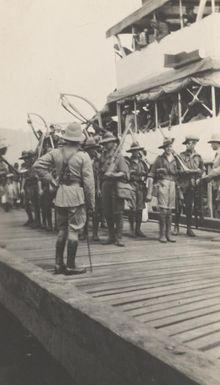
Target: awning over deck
{"x":138,"y":17}
{"x":171,"y":81}
{"x":124,"y":26}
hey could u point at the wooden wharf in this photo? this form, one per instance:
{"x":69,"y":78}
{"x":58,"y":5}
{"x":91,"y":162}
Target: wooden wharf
{"x":172,"y":290}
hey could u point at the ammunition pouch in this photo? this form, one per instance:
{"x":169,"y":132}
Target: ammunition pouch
{"x":124,"y":190}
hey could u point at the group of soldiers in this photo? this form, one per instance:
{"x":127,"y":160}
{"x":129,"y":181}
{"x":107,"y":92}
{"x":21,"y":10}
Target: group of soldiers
{"x":83,"y":179}
{"x":9,"y":182}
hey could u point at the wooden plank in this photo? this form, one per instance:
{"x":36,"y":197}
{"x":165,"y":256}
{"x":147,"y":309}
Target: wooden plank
{"x":117,"y":298}
{"x":174,"y":288}
{"x":178,"y":318}
{"x":177,"y":304}
{"x":207,"y":342}
{"x":193,"y":334}
{"x":215,"y":352}
{"x":178,"y":312}
{"x":115,"y":288}
{"x":169,"y":299}
{"x":179,"y":328}
{"x":102,"y":278}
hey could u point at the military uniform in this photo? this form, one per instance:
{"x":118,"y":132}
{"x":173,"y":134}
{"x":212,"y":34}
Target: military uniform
{"x":90,"y":146}
{"x":28,"y":186}
{"x":3,"y":177}
{"x":46,"y":205}
{"x":76,"y":190}
{"x":31,"y":195}
{"x":112,"y":204}
{"x":214,"y":174}
{"x":3,"y":184}
{"x":163,"y":173}
{"x":188,"y":184}
{"x":138,"y":175}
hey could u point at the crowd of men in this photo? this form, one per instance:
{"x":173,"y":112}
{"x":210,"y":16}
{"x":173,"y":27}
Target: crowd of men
{"x":84,"y":179}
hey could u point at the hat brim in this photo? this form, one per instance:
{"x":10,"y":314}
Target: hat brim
{"x":214,"y":141}
{"x":77,"y":139}
{"x":135,"y":148}
{"x":190,"y":140}
{"x":168,"y":144}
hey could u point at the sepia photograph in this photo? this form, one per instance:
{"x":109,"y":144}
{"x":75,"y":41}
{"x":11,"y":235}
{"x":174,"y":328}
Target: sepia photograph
{"x":110,"y":192}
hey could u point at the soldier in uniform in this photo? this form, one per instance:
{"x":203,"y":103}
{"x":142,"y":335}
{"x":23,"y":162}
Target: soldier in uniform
{"x":91,"y":147}
{"x":163,"y":173}
{"x":138,"y":176}
{"x":30,"y":190}
{"x":3,"y":177}
{"x":76,"y":190}
{"x":112,"y":203}
{"x":46,"y":200}
{"x":188,"y":181}
{"x":214,"y":174}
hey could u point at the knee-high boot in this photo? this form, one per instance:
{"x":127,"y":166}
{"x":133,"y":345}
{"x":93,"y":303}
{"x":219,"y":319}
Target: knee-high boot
{"x":71,"y":268}
{"x":95,"y":222}
{"x":119,"y":227}
{"x":131,"y":222}
{"x":138,"y":231}
{"x":29,"y":215}
{"x":162,"y":225}
{"x":111,"y":231}
{"x":176,"y":226}
{"x":168,"y":227}
{"x":59,"y":264}
{"x":189,"y":231}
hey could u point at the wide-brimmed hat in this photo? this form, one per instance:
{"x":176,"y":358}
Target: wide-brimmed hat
{"x":188,"y":138}
{"x":73,"y":133}
{"x":107,"y":138}
{"x":27,"y":154}
{"x":90,"y":143}
{"x":167,"y":142}
{"x":215,"y":138}
{"x":135,"y":146}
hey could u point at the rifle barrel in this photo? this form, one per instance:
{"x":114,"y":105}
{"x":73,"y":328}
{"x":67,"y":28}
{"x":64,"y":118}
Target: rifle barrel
{"x":9,"y":165}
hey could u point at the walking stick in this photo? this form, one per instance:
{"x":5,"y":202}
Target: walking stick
{"x":88,"y":244}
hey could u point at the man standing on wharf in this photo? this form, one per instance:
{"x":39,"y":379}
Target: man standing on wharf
{"x":112,"y":202}
{"x":75,"y":193}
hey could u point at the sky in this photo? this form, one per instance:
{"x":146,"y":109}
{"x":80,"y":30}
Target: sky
{"x":53,"y":46}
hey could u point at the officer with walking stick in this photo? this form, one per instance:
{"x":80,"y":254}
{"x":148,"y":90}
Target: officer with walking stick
{"x":75,"y":194}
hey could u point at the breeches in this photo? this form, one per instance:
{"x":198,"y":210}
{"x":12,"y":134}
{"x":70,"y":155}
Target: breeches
{"x":71,"y":219}
{"x":138,"y":202}
{"x":166,"y":194}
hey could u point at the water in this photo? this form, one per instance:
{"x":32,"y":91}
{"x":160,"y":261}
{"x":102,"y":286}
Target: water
{"x":23,"y":361}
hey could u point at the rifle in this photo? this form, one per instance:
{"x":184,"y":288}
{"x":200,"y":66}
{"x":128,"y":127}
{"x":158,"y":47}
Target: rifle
{"x":9,"y":165}
{"x":118,"y":149}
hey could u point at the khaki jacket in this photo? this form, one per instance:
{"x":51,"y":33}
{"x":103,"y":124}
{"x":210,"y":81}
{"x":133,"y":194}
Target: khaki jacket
{"x":81,"y":170}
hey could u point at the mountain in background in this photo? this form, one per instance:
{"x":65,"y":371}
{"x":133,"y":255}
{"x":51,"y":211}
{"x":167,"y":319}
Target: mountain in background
{"x":17,"y":141}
